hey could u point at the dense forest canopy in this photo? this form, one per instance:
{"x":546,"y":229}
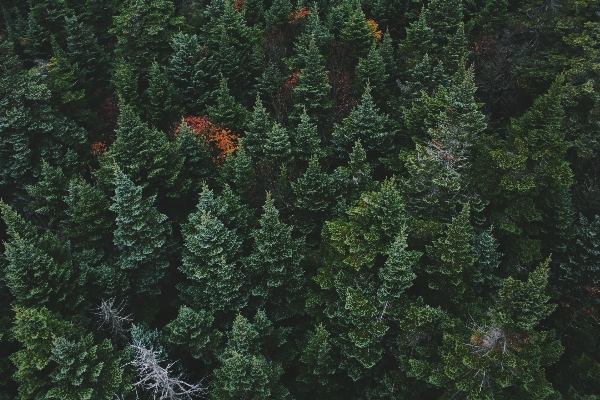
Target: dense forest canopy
{"x":267,"y":199}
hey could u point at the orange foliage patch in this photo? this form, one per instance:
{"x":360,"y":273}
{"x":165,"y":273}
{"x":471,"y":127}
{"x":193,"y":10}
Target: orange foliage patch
{"x":375,"y":31}
{"x":221,"y":140}
{"x":99,"y":148}
{"x":293,"y":80}
{"x":296,"y":16}
{"x":239,"y":5}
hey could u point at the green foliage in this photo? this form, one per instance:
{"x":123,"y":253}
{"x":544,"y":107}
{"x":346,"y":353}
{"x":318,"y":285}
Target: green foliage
{"x":228,"y":112}
{"x":244,"y":371}
{"x":274,"y":265}
{"x":40,"y":270}
{"x":356,"y":32}
{"x":277,"y":15}
{"x":277,"y":144}
{"x":140,"y":236}
{"x":145,"y":154}
{"x":311,"y":94}
{"x":161,"y":100}
{"x":48,"y":194}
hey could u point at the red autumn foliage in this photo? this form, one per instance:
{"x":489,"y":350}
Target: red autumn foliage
{"x":99,"y":148}
{"x":375,"y":31}
{"x":293,"y":80}
{"x":239,"y":5}
{"x":221,"y":140}
{"x":299,"y":15}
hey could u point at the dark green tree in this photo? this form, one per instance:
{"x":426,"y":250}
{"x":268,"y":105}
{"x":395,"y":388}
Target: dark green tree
{"x":278,"y":14}
{"x":259,"y":124}
{"x":305,"y":139}
{"x":277,"y":278}
{"x":141,"y":236}
{"x":47,"y":195}
{"x":228,"y":112}
{"x":161,"y":100}
{"x":311,"y":94}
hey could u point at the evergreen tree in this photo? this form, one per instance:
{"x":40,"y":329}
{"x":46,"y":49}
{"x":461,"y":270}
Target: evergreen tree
{"x":277,"y":145}
{"x":197,"y":164}
{"x":40,"y":270}
{"x":141,"y":236}
{"x":534,"y":174}
{"x":277,"y":16}
{"x":356,"y":32}
{"x":244,"y":371}
{"x":89,"y":223}
{"x":210,"y":263}
{"x":274,"y":265}
{"x":418,"y":41}
{"x":228,"y":112}
{"x":145,"y":154}
{"x":238,"y":171}
{"x":48,"y":194}
{"x":259,"y":125}
{"x":83,"y":49}
{"x":443,"y":17}
{"x":311,"y":94}
{"x":305,"y":139}
{"x":161,"y":100}
{"x":143,"y":30}
{"x":187,"y":71}
{"x":371,"y":71}
{"x":365,"y":123}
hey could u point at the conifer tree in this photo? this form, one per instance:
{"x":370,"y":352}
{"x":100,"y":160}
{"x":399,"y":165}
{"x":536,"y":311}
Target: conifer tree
{"x":192,"y":330}
{"x":238,"y":170}
{"x":244,"y":371}
{"x":274,"y":265}
{"x":277,"y":146}
{"x":228,"y":112}
{"x":371,"y":71}
{"x":453,"y":269}
{"x":197,"y":164}
{"x":161,"y":100}
{"x":259,"y":125}
{"x":89,"y":223}
{"x":141,"y":236}
{"x":210,"y":262}
{"x":419,"y":36}
{"x":143,"y":30}
{"x":48,"y":194}
{"x":187,"y":71}
{"x":277,"y":15}
{"x":145,"y":154}
{"x":533,"y":170}
{"x":314,"y":29}
{"x":444,"y":17}
{"x":365,"y":123}
{"x":356,"y":32}
{"x":83,"y":49}
{"x":311,"y":94}
{"x":314,"y":190}
{"x":39,"y":269}
{"x":305,"y":139}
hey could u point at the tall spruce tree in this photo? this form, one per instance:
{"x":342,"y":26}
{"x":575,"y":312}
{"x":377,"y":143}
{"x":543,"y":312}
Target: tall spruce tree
{"x":141,"y":237}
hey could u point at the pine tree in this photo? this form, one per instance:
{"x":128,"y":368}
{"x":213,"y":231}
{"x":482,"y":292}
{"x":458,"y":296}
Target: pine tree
{"x":419,"y":36}
{"x":453,"y":272}
{"x":274,"y":265}
{"x":397,"y":274}
{"x":145,"y":154}
{"x":317,"y":357}
{"x":314,"y":29}
{"x":141,"y":236}
{"x":311,"y":94}
{"x":259,"y":125}
{"x":143,"y":30}
{"x":277,"y":146}
{"x":32,"y":130}
{"x":444,"y":17}
{"x":192,"y":330}
{"x":48,"y":194}
{"x":534,"y":175}
{"x":277,"y":16}
{"x":86,"y":370}
{"x":161,"y":100}
{"x":210,"y":263}
{"x":83,"y":49}
{"x":40,"y":270}
{"x":228,"y":112}
{"x":364,"y":123}
{"x":356,"y":32}
{"x":314,"y":190}
{"x":197,"y":164}
{"x":305,"y":139}
{"x":456,"y":49}
{"x":89,"y":223}
{"x":371,"y":71}
{"x":244,"y":371}
{"x":238,"y":171}
{"x":187,"y":71}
